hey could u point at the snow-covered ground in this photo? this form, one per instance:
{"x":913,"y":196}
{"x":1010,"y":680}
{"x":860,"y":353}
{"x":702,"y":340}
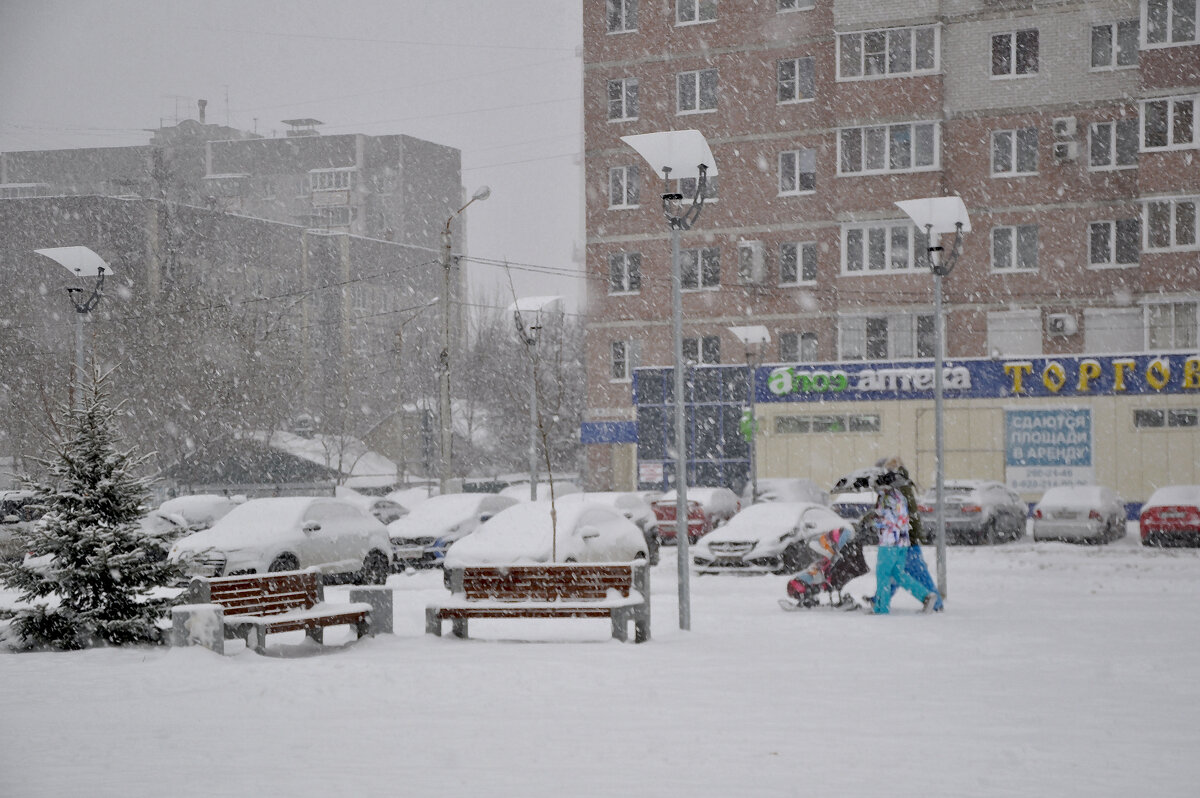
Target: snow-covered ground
{"x":1056,"y":670}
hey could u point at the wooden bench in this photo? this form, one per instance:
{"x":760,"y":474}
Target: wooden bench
{"x":256,"y":605}
{"x":619,"y":591}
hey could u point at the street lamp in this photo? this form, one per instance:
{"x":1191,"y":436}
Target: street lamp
{"x":530,"y":315}
{"x":81,"y":262}
{"x":937,"y":215}
{"x":481,"y":193}
{"x":752,"y":337}
{"x":682,"y":155}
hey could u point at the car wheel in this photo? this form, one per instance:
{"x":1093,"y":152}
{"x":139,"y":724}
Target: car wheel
{"x":790,"y":558}
{"x":284,"y":562}
{"x":375,"y":569}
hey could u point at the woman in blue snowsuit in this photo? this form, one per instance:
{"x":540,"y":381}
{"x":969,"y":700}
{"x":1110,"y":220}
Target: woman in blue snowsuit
{"x":892,"y":524}
{"x":915,"y":563}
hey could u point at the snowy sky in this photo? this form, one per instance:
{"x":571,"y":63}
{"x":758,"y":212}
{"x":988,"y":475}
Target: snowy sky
{"x":499,"y":80}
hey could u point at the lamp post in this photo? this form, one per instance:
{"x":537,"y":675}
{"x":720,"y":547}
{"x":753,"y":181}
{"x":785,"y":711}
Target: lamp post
{"x":81,"y":262}
{"x":482,"y":193}
{"x":937,"y":215}
{"x":528,"y":315}
{"x":678,"y":154}
{"x":752,"y":337}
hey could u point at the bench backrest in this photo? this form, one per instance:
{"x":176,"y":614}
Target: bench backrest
{"x":568,"y":581}
{"x":259,"y":594}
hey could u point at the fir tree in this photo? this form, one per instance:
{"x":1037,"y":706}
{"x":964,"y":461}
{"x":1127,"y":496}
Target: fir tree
{"x":87,"y":550}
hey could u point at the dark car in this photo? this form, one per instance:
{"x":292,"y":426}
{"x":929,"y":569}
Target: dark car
{"x":977,"y":511}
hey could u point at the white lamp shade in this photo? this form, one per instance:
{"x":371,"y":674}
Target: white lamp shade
{"x":682,"y":151}
{"x":79,"y":261}
{"x":752,"y":334}
{"x":942,"y":213}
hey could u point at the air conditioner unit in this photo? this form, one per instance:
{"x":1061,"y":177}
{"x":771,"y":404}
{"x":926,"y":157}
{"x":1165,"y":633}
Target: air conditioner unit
{"x":1066,"y":150}
{"x":1064,"y":127}
{"x":1061,"y":324}
{"x":752,"y":263}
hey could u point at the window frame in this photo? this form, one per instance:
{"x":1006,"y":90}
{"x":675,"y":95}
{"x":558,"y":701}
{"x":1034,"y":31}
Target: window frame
{"x":1113,"y":227}
{"x":801,"y":341}
{"x":626,"y":84}
{"x":1190,"y":336}
{"x":788,"y":6}
{"x":1015,"y":152}
{"x":1173,"y":225}
{"x":796,"y":80}
{"x":704,"y":347}
{"x":912,"y":336}
{"x":1022,"y":327}
{"x":1172,"y":104}
{"x":687,"y":187}
{"x":889,"y":33}
{"x":622,"y":359}
{"x":802,"y":249}
{"x":628,"y":20}
{"x":697,"y":7}
{"x":1168,"y":27}
{"x":699,"y":268}
{"x":1014,"y":53}
{"x":632,"y":187}
{"x":1113,"y":139}
{"x":864,"y":155}
{"x":337,"y":178}
{"x":913,"y":246}
{"x":698,"y":75}
{"x":1114,"y":41}
{"x":1014,"y":249}
{"x":630,"y":271}
{"x":798,"y":155}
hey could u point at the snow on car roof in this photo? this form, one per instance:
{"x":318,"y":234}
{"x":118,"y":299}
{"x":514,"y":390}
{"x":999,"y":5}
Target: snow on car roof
{"x":520,"y":532}
{"x":760,"y":521}
{"x":1174,"y":495}
{"x":1073,"y":494}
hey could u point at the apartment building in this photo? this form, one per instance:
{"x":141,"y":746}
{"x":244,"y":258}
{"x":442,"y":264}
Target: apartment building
{"x":1068,"y":129}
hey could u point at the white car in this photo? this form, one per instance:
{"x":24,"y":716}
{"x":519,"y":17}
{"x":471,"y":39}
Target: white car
{"x":786,"y":489}
{"x":766,"y":538}
{"x":520,"y":491}
{"x":1082,"y":513}
{"x":630,"y":505}
{"x":583,"y":532}
{"x":290,"y":533}
{"x":184,"y":515}
{"x":421,"y":538}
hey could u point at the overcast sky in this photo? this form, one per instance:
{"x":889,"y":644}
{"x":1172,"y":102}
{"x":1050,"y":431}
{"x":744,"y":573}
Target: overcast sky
{"x":498,"y":79}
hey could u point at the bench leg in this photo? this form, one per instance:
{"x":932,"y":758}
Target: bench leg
{"x":365,"y":626}
{"x":316,"y":634}
{"x":433,"y":622}
{"x":256,"y":639}
{"x":641,"y":625}
{"x":459,"y":626}
{"x":620,"y":624}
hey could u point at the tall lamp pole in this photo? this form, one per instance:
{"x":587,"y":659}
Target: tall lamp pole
{"x":681,"y":154}
{"x":81,"y":262}
{"x":530,"y":315}
{"x":752,"y":337}
{"x":937,"y":215}
{"x":482,"y":193}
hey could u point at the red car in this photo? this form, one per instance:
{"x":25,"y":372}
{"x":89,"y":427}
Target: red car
{"x":699,"y":524}
{"x":1172,"y":517}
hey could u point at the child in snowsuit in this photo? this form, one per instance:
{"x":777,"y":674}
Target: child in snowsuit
{"x":892,"y":526}
{"x":914,"y":564}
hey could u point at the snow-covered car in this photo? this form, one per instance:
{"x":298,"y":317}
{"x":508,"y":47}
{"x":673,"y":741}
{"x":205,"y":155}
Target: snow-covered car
{"x":520,"y":491}
{"x":1171,"y":516}
{"x":184,"y":515}
{"x":1080,"y":513}
{"x":18,"y":512}
{"x":977,"y":511}
{"x":708,"y":508}
{"x":786,"y":489}
{"x":385,"y":509}
{"x":582,"y":532}
{"x":853,"y":505}
{"x":411,"y":497}
{"x":421,"y":538}
{"x":766,"y":538}
{"x":630,"y":505}
{"x":342,"y":541}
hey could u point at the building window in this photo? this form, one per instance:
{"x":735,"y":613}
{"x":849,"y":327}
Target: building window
{"x":1015,"y":54}
{"x":706,"y":350}
{"x":1113,"y":330}
{"x":700,"y":268}
{"x":797,"y":347}
{"x":876,"y":248}
{"x":1115,"y":44}
{"x":696,"y":91}
{"x":1015,"y":248}
{"x":853,"y":422}
{"x":620,"y":361}
{"x":622,"y":99}
{"x":1170,"y":224}
{"x":689,"y":12}
{"x":1113,"y":145}
{"x":1015,"y":152}
{"x":623,"y":187}
{"x":797,"y":171}
{"x":1171,"y":325}
{"x":1174,"y":417}
{"x":327,"y":216}
{"x":331,"y":179}
{"x":1116,"y":243}
{"x":1014,"y":333}
{"x":890,"y":337}
{"x":793,"y":5}
{"x":621,"y":15}
{"x":1169,"y":123}
{"x":687,"y":187}
{"x":797,"y":262}
{"x":624,"y":273}
{"x":908,"y":147}
{"x":794,"y":81}
{"x":1170,"y":22}
{"x":887,"y":53}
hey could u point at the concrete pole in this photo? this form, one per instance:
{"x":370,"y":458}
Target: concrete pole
{"x":533,"y":423}
{"x":444,"y":367}
{"x":939,"y":435}
{"x":77,"y":400}
{"x":681,"y":502}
